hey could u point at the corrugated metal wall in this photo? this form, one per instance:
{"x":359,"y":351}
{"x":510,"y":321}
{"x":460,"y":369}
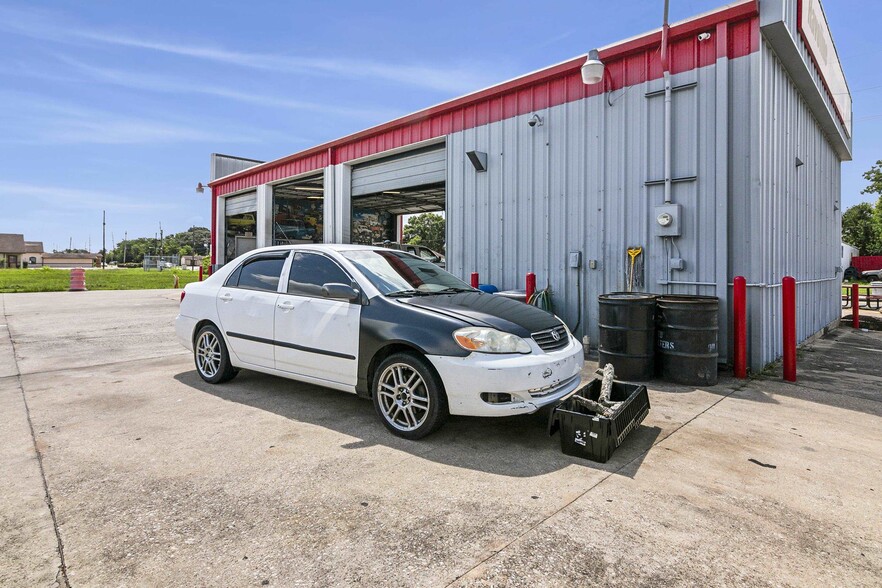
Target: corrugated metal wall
{"x":797,"y":209}
{"x":577,"y":183}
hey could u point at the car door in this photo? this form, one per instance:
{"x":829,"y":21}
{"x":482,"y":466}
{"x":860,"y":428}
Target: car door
{"x":246,"y":307}
{"x":316,"y":336}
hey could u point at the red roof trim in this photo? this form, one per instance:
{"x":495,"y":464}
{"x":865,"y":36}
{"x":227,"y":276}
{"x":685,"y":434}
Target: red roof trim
{"x":552,"y":86}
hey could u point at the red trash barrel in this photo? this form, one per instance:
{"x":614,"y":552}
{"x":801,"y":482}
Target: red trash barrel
{"x":78,"y":280}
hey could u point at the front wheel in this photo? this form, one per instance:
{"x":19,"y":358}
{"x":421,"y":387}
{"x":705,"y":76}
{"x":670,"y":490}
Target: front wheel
{"x":408,"y":396}
{"x":211,"y":356}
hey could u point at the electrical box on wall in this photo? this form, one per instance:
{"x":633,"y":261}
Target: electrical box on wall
{"x":668,"y":218}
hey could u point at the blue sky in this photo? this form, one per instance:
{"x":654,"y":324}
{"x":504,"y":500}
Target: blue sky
{"x":117,"y":105}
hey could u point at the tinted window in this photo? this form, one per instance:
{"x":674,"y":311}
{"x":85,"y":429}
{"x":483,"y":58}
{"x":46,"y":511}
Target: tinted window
{"x":261,"y":274}
{"x":233,"y":279}
{"x":310,"y":271}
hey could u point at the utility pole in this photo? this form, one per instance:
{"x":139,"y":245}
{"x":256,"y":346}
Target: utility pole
{"x":70,"y":244}
{"x":161,"y":245}
{"x":103,"y":237}
{"x":125,"y":245}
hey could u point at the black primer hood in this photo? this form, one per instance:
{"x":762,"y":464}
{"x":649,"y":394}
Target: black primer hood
{"x":486,"y":310}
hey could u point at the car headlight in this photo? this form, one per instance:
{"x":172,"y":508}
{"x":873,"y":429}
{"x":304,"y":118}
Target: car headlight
{"x":485,"y":340}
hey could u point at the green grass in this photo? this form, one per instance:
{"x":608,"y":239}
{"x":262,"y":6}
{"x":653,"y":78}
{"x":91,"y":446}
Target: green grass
{"x":55,"y":280}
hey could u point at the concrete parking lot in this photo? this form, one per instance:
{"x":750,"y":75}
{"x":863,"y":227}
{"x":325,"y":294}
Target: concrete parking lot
{"x":120,"y":467}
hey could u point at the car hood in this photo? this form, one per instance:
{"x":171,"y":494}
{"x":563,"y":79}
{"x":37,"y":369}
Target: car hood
{"x":486,"y":310}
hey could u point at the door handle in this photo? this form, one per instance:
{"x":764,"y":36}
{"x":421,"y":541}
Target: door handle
{"x":226,"y":296}
{"x":286,"y":305}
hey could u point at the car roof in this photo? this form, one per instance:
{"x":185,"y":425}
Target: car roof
{"x":323,"y":246}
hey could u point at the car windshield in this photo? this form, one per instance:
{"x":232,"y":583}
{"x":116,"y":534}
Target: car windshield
{"x":398,"y":273}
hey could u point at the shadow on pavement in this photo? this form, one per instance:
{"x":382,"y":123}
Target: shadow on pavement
{"x":516,"y":446}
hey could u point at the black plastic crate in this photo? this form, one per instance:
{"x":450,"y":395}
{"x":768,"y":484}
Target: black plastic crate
{"x":584,"y":433}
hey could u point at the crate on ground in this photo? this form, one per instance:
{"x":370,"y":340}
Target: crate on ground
{"x":586,"y":434}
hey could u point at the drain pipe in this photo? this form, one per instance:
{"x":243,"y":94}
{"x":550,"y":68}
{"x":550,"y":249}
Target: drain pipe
{"x":665,"y":59}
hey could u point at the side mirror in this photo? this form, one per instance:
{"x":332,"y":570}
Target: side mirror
{"x":340,"y":292}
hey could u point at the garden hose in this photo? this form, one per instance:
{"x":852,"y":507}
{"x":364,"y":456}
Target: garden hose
{"x":542,"y":299}
{"x":633,"y":252}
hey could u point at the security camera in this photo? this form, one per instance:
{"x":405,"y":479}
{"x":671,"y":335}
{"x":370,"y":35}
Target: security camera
{"x":704,"y":36}
{"x":535,"y":120}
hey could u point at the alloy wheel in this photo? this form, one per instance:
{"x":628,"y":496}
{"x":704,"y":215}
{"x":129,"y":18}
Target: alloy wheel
{"x":404,"y":398}
{"x":208,"y":354}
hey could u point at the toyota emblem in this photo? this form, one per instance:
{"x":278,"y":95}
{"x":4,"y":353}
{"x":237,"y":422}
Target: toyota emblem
{"x":555,"y":335}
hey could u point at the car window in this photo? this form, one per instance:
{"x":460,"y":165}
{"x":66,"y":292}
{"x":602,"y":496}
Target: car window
{"x":261,"y":274}
{"x":393,"y":271}
{"x":310,"y":271}
{"x":427,"y":254}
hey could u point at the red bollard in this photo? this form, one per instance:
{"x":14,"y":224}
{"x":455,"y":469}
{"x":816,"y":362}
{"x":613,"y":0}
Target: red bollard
{"x":531,"y":286}
{"x":739,"y":308}
{"x":855,"y":305}
{"x":200,"y":273}
{"x":474,"y":279}
{"x":78,"y":280}
{"x":788,"y":297}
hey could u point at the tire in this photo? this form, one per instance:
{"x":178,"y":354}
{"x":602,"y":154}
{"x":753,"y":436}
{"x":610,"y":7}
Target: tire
{"x":408,"y":396}
{"x":211,"y":356}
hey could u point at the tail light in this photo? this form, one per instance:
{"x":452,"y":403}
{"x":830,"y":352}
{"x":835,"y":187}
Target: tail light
{"x":183,"y":293}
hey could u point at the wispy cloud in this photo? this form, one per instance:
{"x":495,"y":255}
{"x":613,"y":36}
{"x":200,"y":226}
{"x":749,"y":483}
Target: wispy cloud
{"x":32,"y":120}
{"x":43,"y":25}
{"x":61,"y":198}
{"x":170,"y":85}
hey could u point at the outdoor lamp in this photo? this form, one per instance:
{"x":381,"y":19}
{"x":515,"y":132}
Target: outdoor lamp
{"x":592,"y":71}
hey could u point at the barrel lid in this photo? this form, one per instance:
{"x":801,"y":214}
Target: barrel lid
{"x":687,"y":299}
{"x":627,"y":296}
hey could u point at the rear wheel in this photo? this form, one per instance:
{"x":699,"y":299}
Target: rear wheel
{"x":408,"y":396}
{"x":211,"y":356}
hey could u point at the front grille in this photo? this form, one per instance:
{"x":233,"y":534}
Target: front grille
{"x":546,"y":341}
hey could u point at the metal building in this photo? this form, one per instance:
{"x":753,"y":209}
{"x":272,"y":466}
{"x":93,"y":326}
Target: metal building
{"x":733,"y":169}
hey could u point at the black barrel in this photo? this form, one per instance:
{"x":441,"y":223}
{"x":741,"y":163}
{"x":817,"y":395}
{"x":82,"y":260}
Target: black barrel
{"x":687,"y":339}
{"x":627,"y":334}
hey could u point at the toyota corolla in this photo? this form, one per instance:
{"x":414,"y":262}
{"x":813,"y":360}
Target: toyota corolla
{"x":383,"y":324}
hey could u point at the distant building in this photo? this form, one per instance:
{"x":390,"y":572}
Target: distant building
{"x":12,"y":248}
{"x":69,"y":260}
{"x":33,"y":253}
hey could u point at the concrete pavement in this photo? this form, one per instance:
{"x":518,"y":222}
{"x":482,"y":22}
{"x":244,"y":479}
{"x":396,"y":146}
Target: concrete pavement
{"x":157,"y":479}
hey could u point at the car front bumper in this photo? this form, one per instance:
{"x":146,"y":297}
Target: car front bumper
{"x":533,"y":380}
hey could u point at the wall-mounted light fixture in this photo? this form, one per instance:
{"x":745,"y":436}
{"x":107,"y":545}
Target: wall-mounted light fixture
{"x":799,"y":162}
{"x":478,"y":159}
{"x":592,"y":71}
{"x":200,"y":188}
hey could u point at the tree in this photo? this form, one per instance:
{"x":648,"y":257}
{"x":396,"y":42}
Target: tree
{"x":874,"y":176}
{"x":861,"y":228}
{"x":426,"y":229}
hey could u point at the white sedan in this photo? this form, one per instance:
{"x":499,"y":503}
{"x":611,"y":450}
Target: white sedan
{"x":382,"y":324}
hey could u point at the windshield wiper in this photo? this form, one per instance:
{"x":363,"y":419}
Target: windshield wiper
{"x":406,"y":292}
{"x":454,"y":290}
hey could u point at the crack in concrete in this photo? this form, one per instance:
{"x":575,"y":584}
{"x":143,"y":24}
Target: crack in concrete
{"x":60,"y":576}
{"x":640,"y":456}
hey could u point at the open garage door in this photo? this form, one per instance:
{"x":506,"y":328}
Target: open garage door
{"x":386,"y":191}
{"x":241,"y":225}
{"x":419,"y":167}
{"x":298,"y":211}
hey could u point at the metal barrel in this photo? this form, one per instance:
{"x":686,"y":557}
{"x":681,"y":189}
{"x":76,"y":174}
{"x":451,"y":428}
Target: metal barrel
{"x":686,"y":339}
{"x":627,"y":334}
